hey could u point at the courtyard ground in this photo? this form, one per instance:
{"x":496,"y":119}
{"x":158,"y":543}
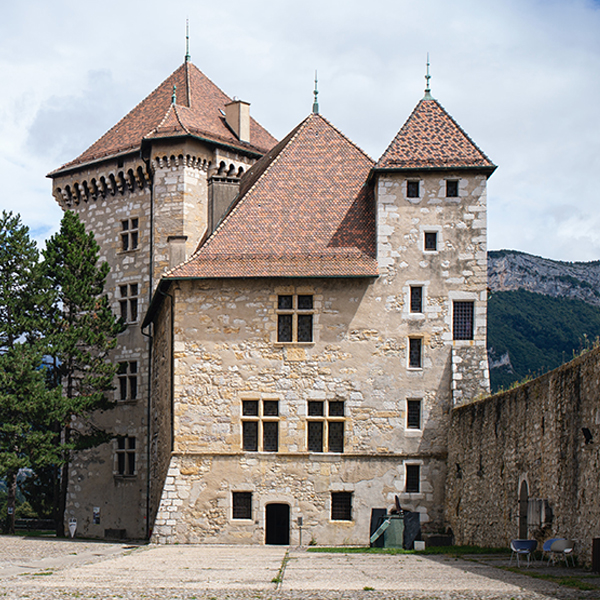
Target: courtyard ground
{"x":63,"y":569}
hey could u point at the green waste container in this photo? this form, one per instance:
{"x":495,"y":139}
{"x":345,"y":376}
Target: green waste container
{"x":394,"y":534}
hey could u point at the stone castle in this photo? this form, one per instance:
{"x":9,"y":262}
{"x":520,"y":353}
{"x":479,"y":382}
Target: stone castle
{"x":301,"y":319}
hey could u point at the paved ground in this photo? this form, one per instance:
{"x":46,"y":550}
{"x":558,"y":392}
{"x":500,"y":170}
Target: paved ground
{"x":56,"y":569}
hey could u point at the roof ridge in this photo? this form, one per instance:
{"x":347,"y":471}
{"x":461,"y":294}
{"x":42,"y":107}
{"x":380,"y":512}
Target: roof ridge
{"x":341,"y":133}
{"x":460,"y":129}
{"x":188,"y":92}
{"x":176,"y":111}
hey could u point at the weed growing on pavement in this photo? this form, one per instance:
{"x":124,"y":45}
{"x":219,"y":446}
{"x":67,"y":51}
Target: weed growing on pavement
{"x":573,"y":581}
{"x":368,"y":588}
{"x":444,"y":550}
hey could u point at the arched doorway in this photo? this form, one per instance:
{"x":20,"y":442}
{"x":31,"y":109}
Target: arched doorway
{"x":523,"y":505}
{"x":277,"y":520}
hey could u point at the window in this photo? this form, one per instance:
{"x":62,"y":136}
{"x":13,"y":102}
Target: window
{"x":413,"y":479}
{"x":462,"y":320}
{"x":416,"y":299}
{"x":325,"y":430}
{"x":341,"y":506}
{"x":295,"y":318}
{"x":452,"y":188}
{"x":413,"y":414}
{"x":414,"y":353}
{"x":431,"y":241}
{"x":129,"y":302}
{"x":127,"y":374}
{"x":260,"y":425}
{"x":129,"y":234}
{"x":242,"y":505}
{"x":126,"y":455}
{"x":412,"y":189}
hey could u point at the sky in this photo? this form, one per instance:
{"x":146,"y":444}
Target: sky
{"x":522,"y":77}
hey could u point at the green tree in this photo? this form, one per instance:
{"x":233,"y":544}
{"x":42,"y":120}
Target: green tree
{"x":82,"y":333}
{"x":24,"y":399}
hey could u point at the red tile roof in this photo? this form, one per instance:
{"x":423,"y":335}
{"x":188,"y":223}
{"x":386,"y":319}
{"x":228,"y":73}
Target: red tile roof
{"x":196,"y":113}
{"x":304,"y":210}
{"x":432,"y":139}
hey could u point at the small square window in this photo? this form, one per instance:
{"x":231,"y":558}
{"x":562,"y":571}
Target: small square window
{"x":413,"y":479}
{"x":451,"y":188}
{"x":270,"y":408}
{"x":336,"y":408}
{"x":462,"y":320}
{"x":284,"y":302}
{"x":431,"y":241}
{"x":341,"y":506}
{"x":413,"y":414}
{"x":416,"y":299}
{"x":415,"y":353}
{"x":412,"y":189}
{"x":242,"y":505}
{"x":305,"y":302}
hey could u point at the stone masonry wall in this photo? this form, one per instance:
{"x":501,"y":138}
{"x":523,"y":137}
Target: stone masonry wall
{"x":531,"y":434}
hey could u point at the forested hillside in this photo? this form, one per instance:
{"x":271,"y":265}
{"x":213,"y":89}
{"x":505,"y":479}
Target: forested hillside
{"x":540,"y":313}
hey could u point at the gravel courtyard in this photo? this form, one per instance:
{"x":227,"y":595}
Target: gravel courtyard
{"x":53,"y":569}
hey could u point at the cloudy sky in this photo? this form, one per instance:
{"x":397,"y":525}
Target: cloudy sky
{"x":522,"y":77}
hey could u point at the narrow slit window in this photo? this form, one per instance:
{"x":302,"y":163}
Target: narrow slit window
{"x":416,"y":299}
{"x":413,"y":479}
{"x":415,"y":353}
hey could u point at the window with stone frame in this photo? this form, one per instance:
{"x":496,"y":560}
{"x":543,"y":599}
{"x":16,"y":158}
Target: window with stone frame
{"x":413,"y":413}
{"x":295,"y":318}
{"x":242,"y":505}
{"x":463,"y":313}
{"x":260,"y":425}
{"x":415,"y":353}
{"x":325,"y":426}
{"x":451,"y":188}
{"x":413,"y":479}
{"x":125,"y":456}
{"x":430,"y":241}
{"x":416,"y":298}
{"x":129,"y":234}
{"x":412,"y":189}
{"x":128,"y":302}
{"x":341,"y":506}
{"x":127,"y":374}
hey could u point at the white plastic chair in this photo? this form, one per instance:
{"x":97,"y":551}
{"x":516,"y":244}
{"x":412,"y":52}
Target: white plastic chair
{"x":562,"y":548}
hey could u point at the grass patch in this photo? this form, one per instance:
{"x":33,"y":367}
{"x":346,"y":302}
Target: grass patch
{"x":444,"y":550}
{"x":572,"y":581}
{"x":279,"y":577}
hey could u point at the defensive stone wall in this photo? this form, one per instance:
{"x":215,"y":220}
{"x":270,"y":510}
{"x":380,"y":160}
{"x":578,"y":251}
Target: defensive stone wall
{"x":529,"y":443}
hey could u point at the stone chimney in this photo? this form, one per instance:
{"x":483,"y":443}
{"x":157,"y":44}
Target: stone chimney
{"x":237,"y":115}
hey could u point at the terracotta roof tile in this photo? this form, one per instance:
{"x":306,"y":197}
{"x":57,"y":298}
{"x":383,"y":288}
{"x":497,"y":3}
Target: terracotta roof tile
{"x":305,"y":210}
{"x":196,"y":113}
{"x":431,"y":139}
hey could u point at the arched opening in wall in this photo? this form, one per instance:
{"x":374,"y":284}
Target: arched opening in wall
{"x":523,"y":504}
{"x":277,"y":519}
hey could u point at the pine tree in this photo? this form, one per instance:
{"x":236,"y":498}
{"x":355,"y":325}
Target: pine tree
{"x":83,"y":330}
{"x":24,"y":399}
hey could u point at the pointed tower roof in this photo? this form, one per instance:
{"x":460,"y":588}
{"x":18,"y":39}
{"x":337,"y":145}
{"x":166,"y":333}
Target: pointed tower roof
{"x":432,"y":139}
{"x":198,"y":111}
{"x":304,"y":210}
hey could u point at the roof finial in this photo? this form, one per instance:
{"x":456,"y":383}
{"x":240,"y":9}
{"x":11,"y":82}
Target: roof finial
{"x":174,"y":96}
{"x":428,"y":95}
{"x":316,"y":102}
{"x":188,"y":58}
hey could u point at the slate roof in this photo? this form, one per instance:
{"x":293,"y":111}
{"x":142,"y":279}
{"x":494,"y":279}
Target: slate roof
{"x":304,"y":210}
{"x":432,"y":139}
{"x":196,"y":112}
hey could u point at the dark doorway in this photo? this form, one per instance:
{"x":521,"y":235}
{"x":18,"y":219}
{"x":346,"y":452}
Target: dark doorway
{"x":523,"y":505}
{"x":278,"y":524}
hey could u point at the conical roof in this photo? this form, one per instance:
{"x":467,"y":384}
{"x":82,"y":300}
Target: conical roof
{"x":198,"y":111}
{"x":432,"y":139}
{"x":304,"y":210}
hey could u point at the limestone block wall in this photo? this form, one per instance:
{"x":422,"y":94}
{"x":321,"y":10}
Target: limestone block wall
{"x":226,"y":352}
{"x":104,"y":196}
{"x":533,"y":435}
{"x":455,"y":270}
